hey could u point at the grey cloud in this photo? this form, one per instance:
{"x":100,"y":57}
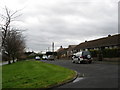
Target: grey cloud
{"x":71,"y":22}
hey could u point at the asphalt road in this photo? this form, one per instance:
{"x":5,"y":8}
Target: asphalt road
{"x":98,"y":74}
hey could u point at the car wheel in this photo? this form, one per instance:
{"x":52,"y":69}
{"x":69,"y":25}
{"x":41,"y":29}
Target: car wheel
{"x":90,"y":62}
{"x":88,"y":56}
{"x":79,"y":61}
{"x":73,"y":61}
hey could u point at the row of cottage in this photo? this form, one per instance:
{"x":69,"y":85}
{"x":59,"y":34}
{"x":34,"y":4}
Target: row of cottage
{"x":111,"y":41}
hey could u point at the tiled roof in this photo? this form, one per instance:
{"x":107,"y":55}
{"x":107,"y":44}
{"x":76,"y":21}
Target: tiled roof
{"x":71,"y":47}
{"x":102,"y":42}
{"x":62,"y":50}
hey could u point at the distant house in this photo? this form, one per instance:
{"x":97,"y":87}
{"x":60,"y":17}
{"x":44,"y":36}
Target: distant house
{"x":70,"y":50}
{"x":30,"y":53}
{"x":102,"y":43}
{"x":62,"y":52}
{"x":65,"y":52}
{"x":97,"y":44}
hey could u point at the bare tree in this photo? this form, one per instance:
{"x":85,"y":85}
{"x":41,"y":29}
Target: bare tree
{"x":7,"y":18}
{"x":13,"y":43}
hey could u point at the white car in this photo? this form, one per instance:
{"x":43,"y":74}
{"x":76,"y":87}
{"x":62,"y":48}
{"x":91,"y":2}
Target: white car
{"x":82,"y":57}
{"x":44,"y":57}
{"x":37,"y":58}
{"x":50,"y":57}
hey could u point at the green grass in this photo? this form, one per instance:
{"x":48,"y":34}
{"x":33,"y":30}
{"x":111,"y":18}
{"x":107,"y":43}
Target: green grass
{"x":34,"y":74}
{"x":0,"y":77}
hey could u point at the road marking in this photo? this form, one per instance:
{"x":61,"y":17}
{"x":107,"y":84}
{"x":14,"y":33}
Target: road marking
{"x":77,"y":79}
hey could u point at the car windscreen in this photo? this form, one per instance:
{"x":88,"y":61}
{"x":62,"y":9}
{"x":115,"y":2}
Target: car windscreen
{"x":44,"y":56}
{"x":86,"y":53}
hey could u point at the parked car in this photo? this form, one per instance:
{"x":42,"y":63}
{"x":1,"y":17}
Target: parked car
{"x":44,"y":57}
{"x":37,"y":58}
{"x":51,"y":57}
{"x":82,"y":57}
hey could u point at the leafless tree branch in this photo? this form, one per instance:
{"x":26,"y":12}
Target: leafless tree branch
{"x":13,"y":42}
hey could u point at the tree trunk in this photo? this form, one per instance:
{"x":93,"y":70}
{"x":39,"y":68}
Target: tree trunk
{"x":17,"y":59}
{"x":9,"y":62}
{"x":13,"y":60}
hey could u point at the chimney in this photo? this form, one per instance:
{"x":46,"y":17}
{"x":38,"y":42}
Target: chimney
{"x":109,"y":35}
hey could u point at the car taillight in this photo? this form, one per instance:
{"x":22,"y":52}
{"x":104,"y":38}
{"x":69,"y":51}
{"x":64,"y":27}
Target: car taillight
{"x":82,"y":57}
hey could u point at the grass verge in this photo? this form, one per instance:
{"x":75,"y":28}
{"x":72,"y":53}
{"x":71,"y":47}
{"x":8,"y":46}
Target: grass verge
{"x":34,"y":74}
{"x":0,"y":78}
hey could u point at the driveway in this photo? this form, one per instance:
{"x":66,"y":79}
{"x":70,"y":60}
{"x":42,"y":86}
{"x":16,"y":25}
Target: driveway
{"x":98,"y":74}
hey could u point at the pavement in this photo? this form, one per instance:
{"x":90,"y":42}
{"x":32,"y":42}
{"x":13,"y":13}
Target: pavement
{"x":98,"y":74}
{"x":3,"y":63}
{"x":6,"y":62}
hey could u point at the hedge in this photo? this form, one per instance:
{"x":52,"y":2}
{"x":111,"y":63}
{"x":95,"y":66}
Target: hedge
{"x":107,"y":53}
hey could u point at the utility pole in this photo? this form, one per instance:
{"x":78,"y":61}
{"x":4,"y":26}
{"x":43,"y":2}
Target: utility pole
{"x":48,"y":49}
{"x":53,"y":47}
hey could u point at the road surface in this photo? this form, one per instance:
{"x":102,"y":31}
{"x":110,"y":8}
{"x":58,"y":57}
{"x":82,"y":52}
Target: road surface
{"x":99,"y":74}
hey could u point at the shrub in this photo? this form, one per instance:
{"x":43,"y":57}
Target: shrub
{"x":107,"y":53}
{"x":110,"y":53}
{"x":94,"y":53}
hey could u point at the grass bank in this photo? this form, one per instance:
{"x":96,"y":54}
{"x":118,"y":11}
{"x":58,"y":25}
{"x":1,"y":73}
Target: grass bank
{"x":34,"y":74}
{"x":0,"y":77}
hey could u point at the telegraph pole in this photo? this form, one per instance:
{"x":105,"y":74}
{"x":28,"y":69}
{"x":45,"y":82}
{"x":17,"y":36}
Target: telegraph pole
{"x":53,"y":47}
{"x":48,"y":49}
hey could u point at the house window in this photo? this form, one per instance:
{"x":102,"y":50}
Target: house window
{"x":115,"y":47}
{"x":106,"y":47}
{"x":110,"y":47}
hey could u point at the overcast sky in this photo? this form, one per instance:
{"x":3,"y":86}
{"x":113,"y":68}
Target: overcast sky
{"x":64,"y":22}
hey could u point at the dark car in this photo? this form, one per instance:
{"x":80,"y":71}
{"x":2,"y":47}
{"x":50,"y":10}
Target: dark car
{"x":82,"y":57}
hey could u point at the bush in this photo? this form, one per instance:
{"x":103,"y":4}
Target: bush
{"x":31,"y":57}
{"x":110,"y":53}
{"x":94,"y":53}
{"x":107,"y":53}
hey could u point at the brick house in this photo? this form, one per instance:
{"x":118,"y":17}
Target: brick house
{"x":111,"y":41}
{"x":102,"y":43}
{"x":62,"y":52}
{"x":70,"y":50}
